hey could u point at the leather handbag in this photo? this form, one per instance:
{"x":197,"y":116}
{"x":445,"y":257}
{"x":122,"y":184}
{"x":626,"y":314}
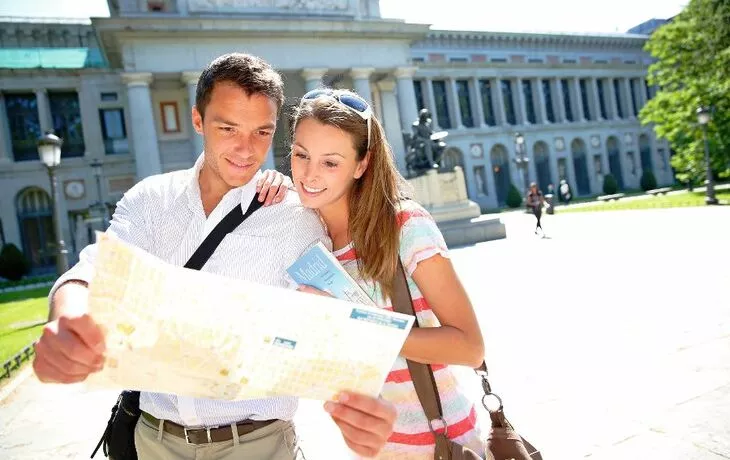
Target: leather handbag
{"x":503,"y":442}
{"x":118,"y":437}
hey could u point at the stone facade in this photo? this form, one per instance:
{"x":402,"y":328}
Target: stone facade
{"x":573,"y":97}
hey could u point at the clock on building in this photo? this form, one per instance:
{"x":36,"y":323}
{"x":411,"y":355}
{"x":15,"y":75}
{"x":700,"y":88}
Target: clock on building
{"x":628,"y":139}
{"x":595,"y":141}
{"x":74,"y":189}
{"x":559,"y":144}
{"x":476,"y":151}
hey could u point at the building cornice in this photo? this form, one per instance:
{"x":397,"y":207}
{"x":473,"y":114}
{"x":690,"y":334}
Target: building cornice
{"x":519,"y":39}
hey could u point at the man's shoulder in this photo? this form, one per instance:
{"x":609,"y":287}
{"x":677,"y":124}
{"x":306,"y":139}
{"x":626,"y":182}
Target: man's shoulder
{"x":294,"y":214}
{"x":161,"y":186}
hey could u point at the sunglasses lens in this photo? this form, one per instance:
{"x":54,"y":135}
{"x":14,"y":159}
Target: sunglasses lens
{"x":315,"y":93}
{"x":354,"y":103}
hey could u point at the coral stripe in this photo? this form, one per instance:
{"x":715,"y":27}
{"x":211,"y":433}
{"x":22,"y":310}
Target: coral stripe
{"x":421,"y":439}
{"x":403,"y":375}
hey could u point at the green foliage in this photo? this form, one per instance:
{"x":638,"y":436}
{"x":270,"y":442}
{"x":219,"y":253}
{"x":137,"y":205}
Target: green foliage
{"x":13,"y":264}
{"x":610,"y":185}
{"x":514,"y":198}
{"x":648,"y":181}
{"x":691,"y":70}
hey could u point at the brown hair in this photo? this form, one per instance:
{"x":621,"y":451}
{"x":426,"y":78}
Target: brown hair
{"x":374,"y":198}
{"x":250,"y":73}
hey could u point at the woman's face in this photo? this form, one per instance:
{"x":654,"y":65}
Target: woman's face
{"x":323,"y":163}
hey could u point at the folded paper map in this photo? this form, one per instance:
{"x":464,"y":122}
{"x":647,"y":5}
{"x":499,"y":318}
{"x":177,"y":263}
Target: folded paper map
{"x":174,"y":330}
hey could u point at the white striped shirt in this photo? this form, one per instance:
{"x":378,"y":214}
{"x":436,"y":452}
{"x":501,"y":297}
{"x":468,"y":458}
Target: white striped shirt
{"x":164,"y":215}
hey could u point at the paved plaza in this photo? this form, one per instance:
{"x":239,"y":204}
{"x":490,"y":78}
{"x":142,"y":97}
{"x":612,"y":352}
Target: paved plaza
{"x":608,"y":340}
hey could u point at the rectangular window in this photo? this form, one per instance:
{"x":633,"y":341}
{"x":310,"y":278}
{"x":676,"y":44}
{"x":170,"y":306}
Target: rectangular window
{"x":418,"y":89}
{"x":66,"y":115}
{"x":562,"y":169}
{"x":480,"y":179}
{"x":442,"y":105}
{"x":597,"y":165}
{"x":498,"y":59}
{"x":509,"y":104}
{"x":547,"y":92}
{"x":108,"y":97}
{"x":458,"y":59}
{"x":24,"y":125}
{"x":529,"y":102}
{"x":617,"y":94}
{"x":170,"y":117}
{"x":462,"y":89}
{"x":418,"y":59}
{"x":114,"y":131}
{"x":485,"y":90}
{"x":535,"y":61}
{"x":583,"y":83}
{"x":601,"y":99}
{"x":565,"y":86}
{"x":634,"y":99}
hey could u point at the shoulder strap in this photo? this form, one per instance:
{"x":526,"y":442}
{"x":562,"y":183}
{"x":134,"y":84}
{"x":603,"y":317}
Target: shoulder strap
{"x":229,"y":223}
{"x":421,"y":374}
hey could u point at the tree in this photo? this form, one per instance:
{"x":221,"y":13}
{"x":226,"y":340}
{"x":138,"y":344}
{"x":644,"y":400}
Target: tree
{"x":692,"y":55}
{"x":13,"y":264}
{"x":610,"y":185}
{"x":648,"y":181}
{"x":514,"y":198}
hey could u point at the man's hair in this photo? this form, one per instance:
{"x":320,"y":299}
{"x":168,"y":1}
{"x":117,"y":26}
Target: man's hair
{"x":252,"y":74}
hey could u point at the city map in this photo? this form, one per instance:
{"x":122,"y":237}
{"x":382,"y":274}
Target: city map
{"x":174,"y":330}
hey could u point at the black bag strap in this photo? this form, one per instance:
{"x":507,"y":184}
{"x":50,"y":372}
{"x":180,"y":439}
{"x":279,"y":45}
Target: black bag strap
{"x":229,"y":223}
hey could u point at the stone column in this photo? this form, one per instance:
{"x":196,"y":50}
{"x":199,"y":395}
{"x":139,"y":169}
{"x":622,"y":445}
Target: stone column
{"x":521,"y":105}
{"x":313,"y":78}
{"x":44,"y":110}
{"x":361,"y":81}
{"x":452,"y":96}
{"x":628,"y":100}
{"x":431,"y":103}
{"x":143,"y":128}
{"x":392,"y":121}
{"x":580,"y":116}
{"x":643,"y":99}
{"x":477,"y":107}
{"x":610,"y":94}
{"x":406,"y":93}
{"x":190,"y":79}
{"x":558,"y":100}
{"x":498,"y":98}
{"x":539,"y":101}
{"x":6,"y":145}
{"x":554,"y":174}
{"x":595,"y":99}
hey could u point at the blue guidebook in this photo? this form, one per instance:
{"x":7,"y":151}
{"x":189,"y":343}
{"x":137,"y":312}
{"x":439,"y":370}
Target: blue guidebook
{"x":320,"y":269}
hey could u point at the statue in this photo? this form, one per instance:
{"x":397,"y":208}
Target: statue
{"x":424,"y":147}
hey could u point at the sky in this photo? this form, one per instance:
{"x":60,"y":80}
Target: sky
{"x":600,"y":16}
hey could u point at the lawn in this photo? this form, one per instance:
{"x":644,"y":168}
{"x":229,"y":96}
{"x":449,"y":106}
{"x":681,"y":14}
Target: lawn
{"x":22,"y":315}
{"x":677,"y":200}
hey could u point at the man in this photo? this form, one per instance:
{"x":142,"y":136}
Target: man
{"x":237,"y":103}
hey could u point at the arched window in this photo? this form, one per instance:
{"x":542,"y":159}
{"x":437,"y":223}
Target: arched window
{"x":580,"y":166}
{"x":35,"y":217}
{"x":500,"y":170}
{"x":542,"y":165}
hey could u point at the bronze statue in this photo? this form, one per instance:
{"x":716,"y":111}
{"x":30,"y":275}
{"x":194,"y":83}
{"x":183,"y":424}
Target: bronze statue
{"x":424,"y":147}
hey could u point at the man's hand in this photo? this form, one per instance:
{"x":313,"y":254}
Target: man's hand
{"x":70,"y":348}
{"x":366,"y":423}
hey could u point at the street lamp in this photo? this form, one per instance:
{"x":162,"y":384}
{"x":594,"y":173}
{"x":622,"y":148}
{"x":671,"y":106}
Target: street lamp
{"x":521,"y":159}
{"x":49,"y":151}
{"x":703,"y":118}
{"x":96,"y":168}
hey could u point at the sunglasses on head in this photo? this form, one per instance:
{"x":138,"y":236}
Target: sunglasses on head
{"x":346,"y":98}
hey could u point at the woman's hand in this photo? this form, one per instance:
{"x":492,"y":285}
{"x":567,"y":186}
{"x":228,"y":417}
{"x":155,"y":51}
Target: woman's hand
{"x":273,"y":186}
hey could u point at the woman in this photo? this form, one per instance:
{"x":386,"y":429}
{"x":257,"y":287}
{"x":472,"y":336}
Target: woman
{"x":535,"y":201}
{"x":343,"y":167}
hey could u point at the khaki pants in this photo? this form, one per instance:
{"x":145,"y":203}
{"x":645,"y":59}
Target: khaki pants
{"x":277,"y":441}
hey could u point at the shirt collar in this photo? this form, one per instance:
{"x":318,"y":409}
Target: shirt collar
{"x":243,"y":195}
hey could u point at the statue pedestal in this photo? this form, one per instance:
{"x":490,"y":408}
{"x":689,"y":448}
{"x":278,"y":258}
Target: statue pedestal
{"x":459,"y":219}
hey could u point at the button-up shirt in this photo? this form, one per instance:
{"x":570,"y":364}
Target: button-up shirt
{"x":164,"y":216}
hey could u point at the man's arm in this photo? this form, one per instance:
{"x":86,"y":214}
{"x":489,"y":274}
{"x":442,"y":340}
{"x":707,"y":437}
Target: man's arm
{"x":72,"y":345}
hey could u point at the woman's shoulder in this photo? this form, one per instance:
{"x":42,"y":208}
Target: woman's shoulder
{"x":410,"y":210}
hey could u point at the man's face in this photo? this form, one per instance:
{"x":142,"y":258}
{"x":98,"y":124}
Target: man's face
{"x":237,"y":130}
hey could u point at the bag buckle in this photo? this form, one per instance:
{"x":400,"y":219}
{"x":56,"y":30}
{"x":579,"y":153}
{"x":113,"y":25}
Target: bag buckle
{"x":443,"y":422}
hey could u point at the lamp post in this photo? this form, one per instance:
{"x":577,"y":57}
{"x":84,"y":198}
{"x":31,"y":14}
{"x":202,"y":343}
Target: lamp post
{"x":49,"y":151}
{"x":96,"y":168}
{"x":521,"y":159}
{"x":704,"y":117}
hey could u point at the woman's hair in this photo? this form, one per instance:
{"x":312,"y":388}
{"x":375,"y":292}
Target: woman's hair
{"x":374,"y":198}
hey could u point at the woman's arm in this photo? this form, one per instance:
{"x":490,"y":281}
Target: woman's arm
{"x":459,"y":339}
